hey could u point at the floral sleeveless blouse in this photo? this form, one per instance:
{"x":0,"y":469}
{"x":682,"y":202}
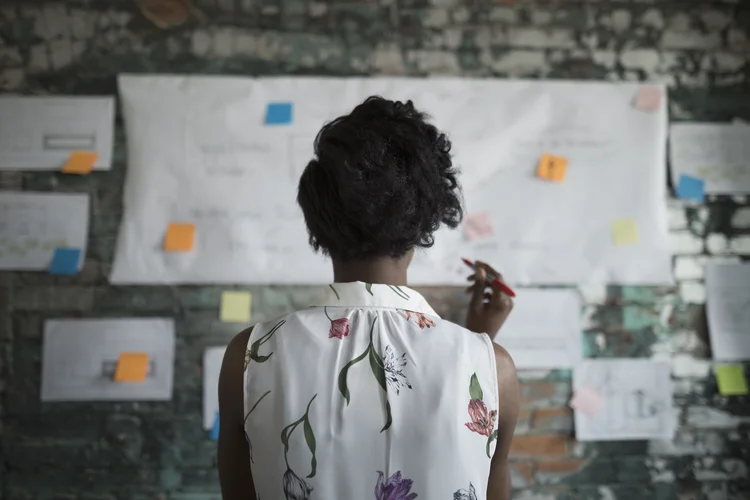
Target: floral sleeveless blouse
{"x":369,"y":394}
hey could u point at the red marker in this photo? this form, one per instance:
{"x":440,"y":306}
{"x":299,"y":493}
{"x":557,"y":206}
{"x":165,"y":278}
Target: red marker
{"x":496,"y":281}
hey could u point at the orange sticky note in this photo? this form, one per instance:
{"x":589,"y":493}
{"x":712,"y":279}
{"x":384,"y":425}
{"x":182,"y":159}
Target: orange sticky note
{"x":552,"y":168}
{"x":180,"y":237}
{"x":132,"y":367}
{"x":80,"y":162}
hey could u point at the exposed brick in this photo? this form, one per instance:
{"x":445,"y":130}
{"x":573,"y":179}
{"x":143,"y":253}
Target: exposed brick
{"x":685,"y":243}
{"x":523,"y":422}
{"x":687,"y":268}
{"x":693,"y":292}
{"x":540,"y":446}
{"x":548,"y":471}
{"x":543,"y":393}
{"x":552,"y":419}
{"x":521,"y":474}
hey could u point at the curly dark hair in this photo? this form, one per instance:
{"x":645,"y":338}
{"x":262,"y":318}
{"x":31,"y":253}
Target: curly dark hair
{"x":381,"y":183}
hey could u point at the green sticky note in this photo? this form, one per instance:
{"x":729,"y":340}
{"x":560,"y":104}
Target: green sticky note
{"x":235,"y":307}
{"x":731,"y":380}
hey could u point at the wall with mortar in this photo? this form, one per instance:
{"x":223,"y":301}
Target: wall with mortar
{"x":158,"y":450}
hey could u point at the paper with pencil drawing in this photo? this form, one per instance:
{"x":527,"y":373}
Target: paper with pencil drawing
{"x":717,"y":153}
{"x":636,"y":400}
{"x":728,"y":310}
{"x":218,"y":164}
{"x":33,"y":225}
{"x":40,"y":133}
{"x":544,"y":329}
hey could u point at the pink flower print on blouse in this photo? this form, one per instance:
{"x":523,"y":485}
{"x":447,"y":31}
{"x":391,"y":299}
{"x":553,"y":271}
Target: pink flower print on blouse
{"x":339,"y":327}
{"x":482,"y":419}
{"x":395,"y":488}
{"x":422,"y":320}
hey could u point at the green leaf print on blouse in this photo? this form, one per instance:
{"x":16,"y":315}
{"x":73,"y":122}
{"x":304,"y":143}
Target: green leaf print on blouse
{"x":482,"y":420}
{"x":386,"y":373}
{"x":396,"y":289}
{"x":295,"y":488}
{"x":247,"y":438}
{"x":252,"y":353}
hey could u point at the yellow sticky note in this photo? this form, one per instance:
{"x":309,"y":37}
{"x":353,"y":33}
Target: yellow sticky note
{"x":180,"y":237}
{"x":625,"y":232}
{"x":80,"y":162}
{"x":235,"y":307}
{"x":132,"y":367}
{"x":731,"y":380}
{"x":552,"y":168}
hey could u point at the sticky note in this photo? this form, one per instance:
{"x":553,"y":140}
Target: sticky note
{"x":80,"y":162}
{"x":552,"y":168}
{"x":625,"y":232}
{"x":477,"y":225}
{"x":648,"y":99}
{"x":235,"y":307}
{"x":215,"y":428}
{"x":65,"y":261}
{"x":731,"y":380}
{"x":690,"y":188}
{"x":587,"y":400}
{"x":132,"y":367}
{"x":279,"y":113}
{"x":180,"y":237}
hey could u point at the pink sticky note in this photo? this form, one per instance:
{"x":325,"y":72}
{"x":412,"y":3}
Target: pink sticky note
{"x":478,"y":225}
{"x":587,"y":400}
{"x":648,"y":99}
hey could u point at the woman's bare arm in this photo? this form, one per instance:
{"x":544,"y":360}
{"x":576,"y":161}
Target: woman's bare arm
{"x":499,"y":487}
{"x":235,"y":475}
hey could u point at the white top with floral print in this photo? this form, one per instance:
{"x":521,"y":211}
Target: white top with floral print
{"x":369,"y":394}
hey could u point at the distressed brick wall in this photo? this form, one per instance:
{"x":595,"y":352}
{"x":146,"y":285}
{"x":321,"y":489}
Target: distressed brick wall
{"x":157,"y":450}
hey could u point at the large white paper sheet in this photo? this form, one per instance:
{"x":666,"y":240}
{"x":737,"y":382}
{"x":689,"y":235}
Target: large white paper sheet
{"x":212,"y":359}
{"x":717,"y":153}
{"x":80,"y":356}
{"x":637,"y":400}
{"x":39,"y":133}
{"x":728,"y":310}
{"x":544,"y":330}
{"x":32,"y":225}
{"x":199,"y":152}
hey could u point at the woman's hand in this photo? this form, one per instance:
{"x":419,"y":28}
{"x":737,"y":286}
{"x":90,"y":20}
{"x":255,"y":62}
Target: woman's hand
{"x":489,"y":306}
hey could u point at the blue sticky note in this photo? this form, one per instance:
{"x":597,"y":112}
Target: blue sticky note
{"x":279,"y":113}
{"x":215,"y":428}
{"x":690,"y":188}
{"x":65,"y":261}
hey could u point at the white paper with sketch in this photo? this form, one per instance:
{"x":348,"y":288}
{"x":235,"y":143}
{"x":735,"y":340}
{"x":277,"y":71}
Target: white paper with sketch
{"x":637,"y":400}
{"x":32,"y":225}
{"x":717,"y":153}
{"x":544,"y":330}
{"x":728,"y":310}
{"x":212,"y":358}
{"x":215,"y":164}
{"x":79,"y":358}
{"x":39,"y":133}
